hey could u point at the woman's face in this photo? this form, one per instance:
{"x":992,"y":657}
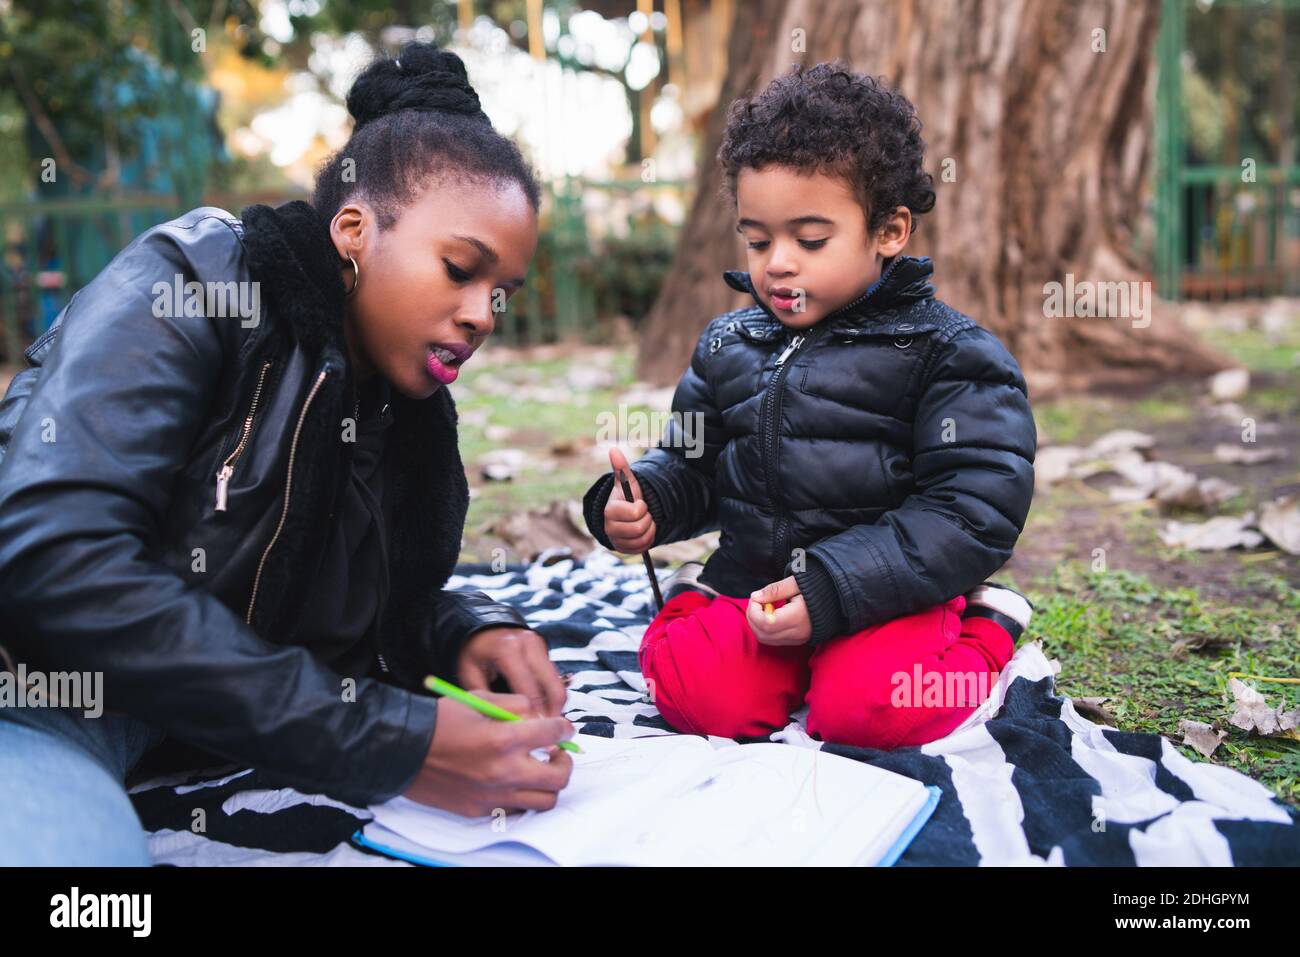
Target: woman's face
{"x":433,"y":283}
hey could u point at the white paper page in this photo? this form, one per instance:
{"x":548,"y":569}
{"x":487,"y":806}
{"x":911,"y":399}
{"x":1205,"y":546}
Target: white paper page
{"x":772,"y":804}
{"x":615,"y":781}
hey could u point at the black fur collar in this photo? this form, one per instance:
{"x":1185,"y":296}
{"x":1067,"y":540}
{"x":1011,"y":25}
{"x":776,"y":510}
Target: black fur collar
{"x":291,"y":254}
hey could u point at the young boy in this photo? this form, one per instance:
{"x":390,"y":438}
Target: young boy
{"x":866,"y":450}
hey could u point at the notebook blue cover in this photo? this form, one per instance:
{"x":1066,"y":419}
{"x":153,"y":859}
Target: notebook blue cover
{"x":362,"y":841}
{"x":913,"y":829}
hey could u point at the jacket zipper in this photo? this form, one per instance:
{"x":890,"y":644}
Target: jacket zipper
{"x":228,"y":466}
{"x":770,"y":412}
{"x":772,"y":401}
{"x":288,"y":489}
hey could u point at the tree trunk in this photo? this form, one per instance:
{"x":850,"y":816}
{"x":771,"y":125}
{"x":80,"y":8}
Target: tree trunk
{"x":1038,"y":146}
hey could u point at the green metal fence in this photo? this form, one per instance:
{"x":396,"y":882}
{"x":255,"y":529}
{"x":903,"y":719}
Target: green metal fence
{"x":1228,"y":226}
{"x":53,"y":248}
{"x":576,"y":284}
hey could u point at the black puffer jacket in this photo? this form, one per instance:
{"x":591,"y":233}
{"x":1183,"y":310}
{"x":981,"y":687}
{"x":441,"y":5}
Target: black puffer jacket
{"x":884,"y":456}
{"x":115,"y":555}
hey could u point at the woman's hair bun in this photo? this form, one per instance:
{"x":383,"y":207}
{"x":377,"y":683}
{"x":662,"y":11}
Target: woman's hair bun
{"x":422,"y":77}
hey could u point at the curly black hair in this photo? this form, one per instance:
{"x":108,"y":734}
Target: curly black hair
{"x":417,"y":119}
{"x":828,"y":119}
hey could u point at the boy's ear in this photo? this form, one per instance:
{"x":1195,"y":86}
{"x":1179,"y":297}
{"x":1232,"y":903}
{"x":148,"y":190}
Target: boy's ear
{"x":894,"y":234}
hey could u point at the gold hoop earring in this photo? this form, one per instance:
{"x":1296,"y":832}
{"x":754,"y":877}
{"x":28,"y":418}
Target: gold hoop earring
{"x":356,"y":272}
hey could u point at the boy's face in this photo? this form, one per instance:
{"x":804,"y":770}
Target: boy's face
{"x":807,"y":243}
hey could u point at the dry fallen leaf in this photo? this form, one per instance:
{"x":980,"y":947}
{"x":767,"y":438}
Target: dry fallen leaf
{"x":1242,"y":455}
{"x":1199,"y":642}
{"x":1230,"y":384}
{"x":1169,"y":485}
{"x":1056,"y":463}
{"x":1112,"y":452}
{"x":502,"y":465}
{"x":1120,"y":440}
{"x":1280,"y":521}
{"x":688,"y":550}
{"x":1201,"y":736}
{"x":1254,"y":713}
{"x":1092,"y":708}
{"x":559,"y":525}
{"x":1217,"y":534}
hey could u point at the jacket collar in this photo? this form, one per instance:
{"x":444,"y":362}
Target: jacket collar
{"x":292,"y":257}
{"x":903,"y":281}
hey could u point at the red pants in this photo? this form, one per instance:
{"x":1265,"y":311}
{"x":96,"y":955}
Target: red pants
{"x":906,"y":682}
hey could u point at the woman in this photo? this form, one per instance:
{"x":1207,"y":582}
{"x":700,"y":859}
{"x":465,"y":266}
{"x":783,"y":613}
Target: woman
{"x":243,"y":517}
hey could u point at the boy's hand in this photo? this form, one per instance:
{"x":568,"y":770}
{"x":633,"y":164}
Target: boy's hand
{"x":628,"y":524}
{"x":787,"y":624}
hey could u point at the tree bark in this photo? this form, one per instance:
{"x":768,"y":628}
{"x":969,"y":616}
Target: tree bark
{"x":1045,"y":142}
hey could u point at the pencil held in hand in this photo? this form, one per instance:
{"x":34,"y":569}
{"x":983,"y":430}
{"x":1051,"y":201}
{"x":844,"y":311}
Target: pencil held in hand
{"x":482,"y":705}
{"x":627,"y":521}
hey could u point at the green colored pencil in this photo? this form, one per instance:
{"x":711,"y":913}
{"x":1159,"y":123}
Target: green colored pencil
{"x":482,"y":706}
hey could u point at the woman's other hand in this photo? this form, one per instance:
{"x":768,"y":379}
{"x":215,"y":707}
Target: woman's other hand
{"x":520,"y":657}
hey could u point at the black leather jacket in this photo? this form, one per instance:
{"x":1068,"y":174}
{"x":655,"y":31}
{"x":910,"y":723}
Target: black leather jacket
{"x":122,"y":552}
{"x":883,"y":456}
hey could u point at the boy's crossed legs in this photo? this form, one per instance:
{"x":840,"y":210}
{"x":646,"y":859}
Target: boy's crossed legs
{"x":905,"y":682}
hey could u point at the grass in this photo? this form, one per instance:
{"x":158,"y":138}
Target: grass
{"x":1076,"y":420}
{"x":1164,"y":654}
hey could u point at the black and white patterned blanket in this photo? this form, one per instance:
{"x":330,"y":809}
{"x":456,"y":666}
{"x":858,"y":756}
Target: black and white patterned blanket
{"x":1025,"y":780}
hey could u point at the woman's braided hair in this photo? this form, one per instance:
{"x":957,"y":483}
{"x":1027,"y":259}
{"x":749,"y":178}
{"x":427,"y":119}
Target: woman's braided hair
{"x":417,"y":119}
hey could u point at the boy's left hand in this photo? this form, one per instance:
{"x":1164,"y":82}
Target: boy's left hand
{"x":790,"y":624}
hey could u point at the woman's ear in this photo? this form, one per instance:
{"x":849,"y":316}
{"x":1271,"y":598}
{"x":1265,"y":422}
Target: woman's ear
{"x":894,"y":234}
{"x":351,"y":227}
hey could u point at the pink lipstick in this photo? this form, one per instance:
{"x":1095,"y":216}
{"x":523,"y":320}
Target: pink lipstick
{"x":444,"y":360}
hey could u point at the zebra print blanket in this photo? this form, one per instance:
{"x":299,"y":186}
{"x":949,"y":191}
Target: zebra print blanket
{"x":1026,"y":780}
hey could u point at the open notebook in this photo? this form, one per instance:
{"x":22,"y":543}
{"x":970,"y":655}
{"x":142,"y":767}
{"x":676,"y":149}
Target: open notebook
{"x":678,"y":800}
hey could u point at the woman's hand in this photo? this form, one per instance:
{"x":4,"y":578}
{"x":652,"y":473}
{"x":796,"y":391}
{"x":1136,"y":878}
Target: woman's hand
{"x":477,"y":765}
{"x":789,"y":624}
{"x":520,"y":657}
{"x":628,"y":524}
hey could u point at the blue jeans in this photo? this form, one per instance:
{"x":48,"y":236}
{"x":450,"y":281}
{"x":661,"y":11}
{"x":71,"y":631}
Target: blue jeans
{"x":63,"y":799}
